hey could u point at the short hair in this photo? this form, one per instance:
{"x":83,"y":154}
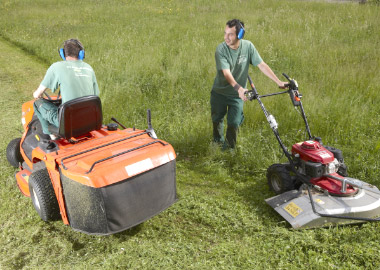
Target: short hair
{"x":72,"y":47}
{"x":235,"y":23}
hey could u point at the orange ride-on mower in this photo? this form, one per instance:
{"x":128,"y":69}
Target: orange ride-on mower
{"x":98,"y":179}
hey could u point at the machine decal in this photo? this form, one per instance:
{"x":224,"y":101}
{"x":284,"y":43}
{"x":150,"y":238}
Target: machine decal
{"x":324,"y":154}
{"x":26,"y":177}
{"x":139,"y":167}
{"x":293,"y":209}
{"x":319,"y":201}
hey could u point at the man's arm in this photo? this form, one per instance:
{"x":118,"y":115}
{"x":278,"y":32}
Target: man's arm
{"x":40,"y":90}
{"x":270,"y":74}
{"x":231,"y":80}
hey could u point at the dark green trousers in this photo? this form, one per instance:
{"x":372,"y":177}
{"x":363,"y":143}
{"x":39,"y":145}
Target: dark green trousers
{"x":221,"y":106}
{"x":47,"y":113}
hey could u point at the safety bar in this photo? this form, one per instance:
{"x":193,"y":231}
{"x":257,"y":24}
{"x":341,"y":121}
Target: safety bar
{"x":273,"y":94}
{"x":351,"y":181}
{"x":336,"y":216}
{"x":122,"y":153}
{"x":98,"y":147}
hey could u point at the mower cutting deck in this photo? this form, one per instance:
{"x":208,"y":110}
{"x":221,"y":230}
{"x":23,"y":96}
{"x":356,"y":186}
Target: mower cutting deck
{"x":313,"y":188}
{"x":296,"y":208}
{"x":98,"y":179}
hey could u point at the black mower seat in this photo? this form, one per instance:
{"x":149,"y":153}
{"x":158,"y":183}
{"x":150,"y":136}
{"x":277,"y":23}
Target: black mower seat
{"x":78,"y":116}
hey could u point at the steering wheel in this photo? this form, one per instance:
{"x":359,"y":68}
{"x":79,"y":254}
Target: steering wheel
{"x":56,"y":100}
{"x":46,"y":94}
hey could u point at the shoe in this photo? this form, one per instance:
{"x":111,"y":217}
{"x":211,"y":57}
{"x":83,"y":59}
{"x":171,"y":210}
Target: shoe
{"x":51,"y":146}
{"x":43,"y":136}
{"x":53,"y":137}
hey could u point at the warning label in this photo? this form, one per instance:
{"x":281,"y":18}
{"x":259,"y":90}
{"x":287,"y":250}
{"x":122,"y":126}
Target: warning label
{"x":293,"y":209}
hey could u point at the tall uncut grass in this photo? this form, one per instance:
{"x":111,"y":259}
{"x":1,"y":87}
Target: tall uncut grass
{"x":160,"y":55}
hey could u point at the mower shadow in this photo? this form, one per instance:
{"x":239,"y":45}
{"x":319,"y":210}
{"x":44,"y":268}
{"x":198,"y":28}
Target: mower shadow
{"x":256,"y":194}
{"x":127,"y":234}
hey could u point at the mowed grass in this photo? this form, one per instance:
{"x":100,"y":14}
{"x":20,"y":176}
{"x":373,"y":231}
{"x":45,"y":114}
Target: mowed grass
{"x":160,"y":55}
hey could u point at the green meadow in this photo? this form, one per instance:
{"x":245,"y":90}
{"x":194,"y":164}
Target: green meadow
{"x":159,"y":54}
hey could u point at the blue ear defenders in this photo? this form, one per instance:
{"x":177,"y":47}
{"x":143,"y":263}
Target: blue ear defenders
{"x":81,"y":54}
{"x":241,"y":31}
{"x":62,"y":53}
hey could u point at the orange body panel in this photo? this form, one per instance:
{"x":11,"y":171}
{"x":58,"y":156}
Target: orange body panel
{"x":123,"y":166}
{"x":27,"y":113}
{"x":22,"y":178}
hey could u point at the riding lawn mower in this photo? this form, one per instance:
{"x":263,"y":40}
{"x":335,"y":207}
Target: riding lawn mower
{"x":99,"y":179}
{"x":313,"y":188}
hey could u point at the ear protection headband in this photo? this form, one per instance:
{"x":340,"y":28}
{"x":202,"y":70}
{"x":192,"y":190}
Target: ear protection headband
{"x":61,"y":50}
{"x":241,"y":31}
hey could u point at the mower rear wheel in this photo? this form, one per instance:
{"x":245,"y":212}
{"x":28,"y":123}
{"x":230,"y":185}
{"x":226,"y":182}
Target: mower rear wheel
{"x":279,"y":178}
{"x":43,"y":195}
{"x":14,"y":156}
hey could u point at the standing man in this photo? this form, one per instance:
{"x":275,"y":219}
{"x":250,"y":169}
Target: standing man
{"x":233,"y":57}
{"x":72,"y":76}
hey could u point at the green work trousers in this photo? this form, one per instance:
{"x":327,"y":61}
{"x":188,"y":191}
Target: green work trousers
{"x":47,"y":113}
{"x":233,"y":107}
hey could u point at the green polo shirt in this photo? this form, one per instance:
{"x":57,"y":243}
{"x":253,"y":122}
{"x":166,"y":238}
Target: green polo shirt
{"x":74,"y":78}
{"x":237,"y":61}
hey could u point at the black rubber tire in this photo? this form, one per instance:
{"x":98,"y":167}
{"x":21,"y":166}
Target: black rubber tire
{"x":279,"y":178}
{"x":14,"y":156}
{"x":43,"y":195}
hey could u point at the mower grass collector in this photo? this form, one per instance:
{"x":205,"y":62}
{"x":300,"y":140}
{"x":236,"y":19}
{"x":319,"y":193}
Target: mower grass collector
{"x":98,"y":179}
{"x":313,"y":188}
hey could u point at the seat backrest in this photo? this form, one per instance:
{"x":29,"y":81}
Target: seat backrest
{"x":80,"y":116}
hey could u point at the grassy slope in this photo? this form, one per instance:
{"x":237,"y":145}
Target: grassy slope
{"x":160,"y":55}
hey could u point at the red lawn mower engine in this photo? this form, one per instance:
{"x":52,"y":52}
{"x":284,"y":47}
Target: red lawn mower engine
{"x":319,"y":162}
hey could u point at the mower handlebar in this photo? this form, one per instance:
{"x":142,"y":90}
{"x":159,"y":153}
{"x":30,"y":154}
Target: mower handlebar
{"x":292,"y":85}
{"x":286,"y":76}
{"x":251,"y":94}
{"x":250,"y":81}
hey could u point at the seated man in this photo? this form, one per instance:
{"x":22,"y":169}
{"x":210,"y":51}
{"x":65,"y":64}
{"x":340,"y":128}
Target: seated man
{"x":72,"y":76}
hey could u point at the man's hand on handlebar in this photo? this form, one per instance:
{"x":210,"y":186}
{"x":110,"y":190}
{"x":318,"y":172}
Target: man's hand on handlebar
{"x":283,"y":85}
{"x":241,"y":92}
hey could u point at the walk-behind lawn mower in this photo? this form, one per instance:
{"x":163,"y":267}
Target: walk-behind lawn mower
{"x":313,"y":188}
{"x":97,"y":178}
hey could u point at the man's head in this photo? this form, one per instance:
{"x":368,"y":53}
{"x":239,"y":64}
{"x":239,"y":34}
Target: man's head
{"x":73,"y":48}
{"x":231,"y":32}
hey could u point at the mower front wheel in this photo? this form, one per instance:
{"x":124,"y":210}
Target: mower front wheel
{"x":43,"y":195}
{"x":14,"y":156}
{"x":279,"y":178}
